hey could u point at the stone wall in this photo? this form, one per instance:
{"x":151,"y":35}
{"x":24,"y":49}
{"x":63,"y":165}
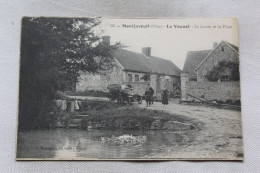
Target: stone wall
{"x":221,"y":91}
{"x":184,"y":82}
{"x":222,"y":53}
{"x":100,"y":81}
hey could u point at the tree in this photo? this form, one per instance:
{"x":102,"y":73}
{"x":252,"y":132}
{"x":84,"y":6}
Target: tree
{"x":217,"y":71}
{"x":55,"y":48}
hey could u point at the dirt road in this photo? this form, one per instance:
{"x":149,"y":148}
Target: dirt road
{"x":219,"y":137}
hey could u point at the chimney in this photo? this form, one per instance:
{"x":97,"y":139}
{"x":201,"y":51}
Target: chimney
{"x":106,"y":39}
{"x":215,"y":45}
{"x":146,"y":51}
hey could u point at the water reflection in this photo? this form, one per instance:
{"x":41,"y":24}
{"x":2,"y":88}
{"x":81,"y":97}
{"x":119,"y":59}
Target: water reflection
{"x":73,"y":143}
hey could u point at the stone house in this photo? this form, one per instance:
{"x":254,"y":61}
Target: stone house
{"x":199,"y":63}
{"x":130,"y":68}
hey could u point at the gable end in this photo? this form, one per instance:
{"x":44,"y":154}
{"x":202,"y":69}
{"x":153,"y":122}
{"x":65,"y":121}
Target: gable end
{"x":220,"y":44}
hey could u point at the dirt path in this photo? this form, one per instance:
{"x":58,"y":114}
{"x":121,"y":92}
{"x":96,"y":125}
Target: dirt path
{"x":220,"y":136}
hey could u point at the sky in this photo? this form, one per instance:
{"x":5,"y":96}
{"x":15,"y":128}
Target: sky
{"x":170,"y":38}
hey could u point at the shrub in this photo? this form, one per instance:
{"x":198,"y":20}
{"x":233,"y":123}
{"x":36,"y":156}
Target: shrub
{"x":216,"y":72}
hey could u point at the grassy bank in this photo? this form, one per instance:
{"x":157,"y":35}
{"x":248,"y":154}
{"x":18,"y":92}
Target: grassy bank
{"x":90,"y":105}
{"x":106,"y":115}
{"x":109,"y":115}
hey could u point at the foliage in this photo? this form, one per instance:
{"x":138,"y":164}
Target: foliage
{"x":216,"y":72}
{"x":53,"y":51}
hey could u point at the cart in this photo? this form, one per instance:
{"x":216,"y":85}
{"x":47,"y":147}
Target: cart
{"x":123,"y":94}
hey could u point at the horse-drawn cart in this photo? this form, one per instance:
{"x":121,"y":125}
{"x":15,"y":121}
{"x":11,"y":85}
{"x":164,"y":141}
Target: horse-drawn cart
{"x":123,"y":94}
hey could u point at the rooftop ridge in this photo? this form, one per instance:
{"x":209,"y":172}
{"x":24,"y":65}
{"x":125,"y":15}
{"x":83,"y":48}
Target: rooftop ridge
{"x":200,"y":50}
{"x":136,"y":61}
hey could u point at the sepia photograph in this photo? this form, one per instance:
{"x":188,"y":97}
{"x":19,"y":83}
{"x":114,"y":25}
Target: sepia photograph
{"x":129,"y":89}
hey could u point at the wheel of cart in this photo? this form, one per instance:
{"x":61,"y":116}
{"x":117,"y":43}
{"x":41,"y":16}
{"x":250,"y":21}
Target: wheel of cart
{"x":140,"y":99}
{"x":119,"y":99}
{"x":129,"y":101}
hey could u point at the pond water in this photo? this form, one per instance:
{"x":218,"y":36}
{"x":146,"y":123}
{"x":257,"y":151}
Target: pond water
{"x":76,"y":144}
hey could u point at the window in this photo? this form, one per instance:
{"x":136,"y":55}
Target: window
{"x":130,"y":78}
{"x":136,"y":78}
{"x":222,"y":49}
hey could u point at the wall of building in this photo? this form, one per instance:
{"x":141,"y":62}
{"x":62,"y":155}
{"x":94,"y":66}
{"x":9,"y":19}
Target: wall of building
{"x":167,"y":82}
{"x":222,"y":53}
{"x":140,"y":75}
{"x":157,"y":82}
{"x":153,"y":83}
{"x":101,"y":80}
{"x":138,"y":87}
{"x":118,"y":76}
{"x":220,"y":91}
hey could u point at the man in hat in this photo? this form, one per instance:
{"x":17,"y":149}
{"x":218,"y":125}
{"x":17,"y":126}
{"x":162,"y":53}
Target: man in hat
{"x":151,"y":92}
{"x":148,"y":97}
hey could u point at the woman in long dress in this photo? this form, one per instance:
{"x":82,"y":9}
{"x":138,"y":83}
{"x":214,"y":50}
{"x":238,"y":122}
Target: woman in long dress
{"x":165,"y":97}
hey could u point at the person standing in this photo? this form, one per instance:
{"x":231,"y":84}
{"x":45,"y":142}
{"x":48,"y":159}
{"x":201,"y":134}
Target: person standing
{"x":151,"y":93}
{"x":165,"y":97}
{"x":147,"y":97}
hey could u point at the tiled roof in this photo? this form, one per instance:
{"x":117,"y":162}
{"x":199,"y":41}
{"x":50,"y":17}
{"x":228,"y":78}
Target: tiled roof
{"x":132,"y":61}
{"x":193,"y":59}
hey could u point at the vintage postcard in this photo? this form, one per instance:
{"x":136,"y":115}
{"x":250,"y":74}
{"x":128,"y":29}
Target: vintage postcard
{"x":129,"y":89}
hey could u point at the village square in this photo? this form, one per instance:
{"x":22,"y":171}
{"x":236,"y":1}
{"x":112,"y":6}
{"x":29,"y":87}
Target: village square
{"x":132,"y":105}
